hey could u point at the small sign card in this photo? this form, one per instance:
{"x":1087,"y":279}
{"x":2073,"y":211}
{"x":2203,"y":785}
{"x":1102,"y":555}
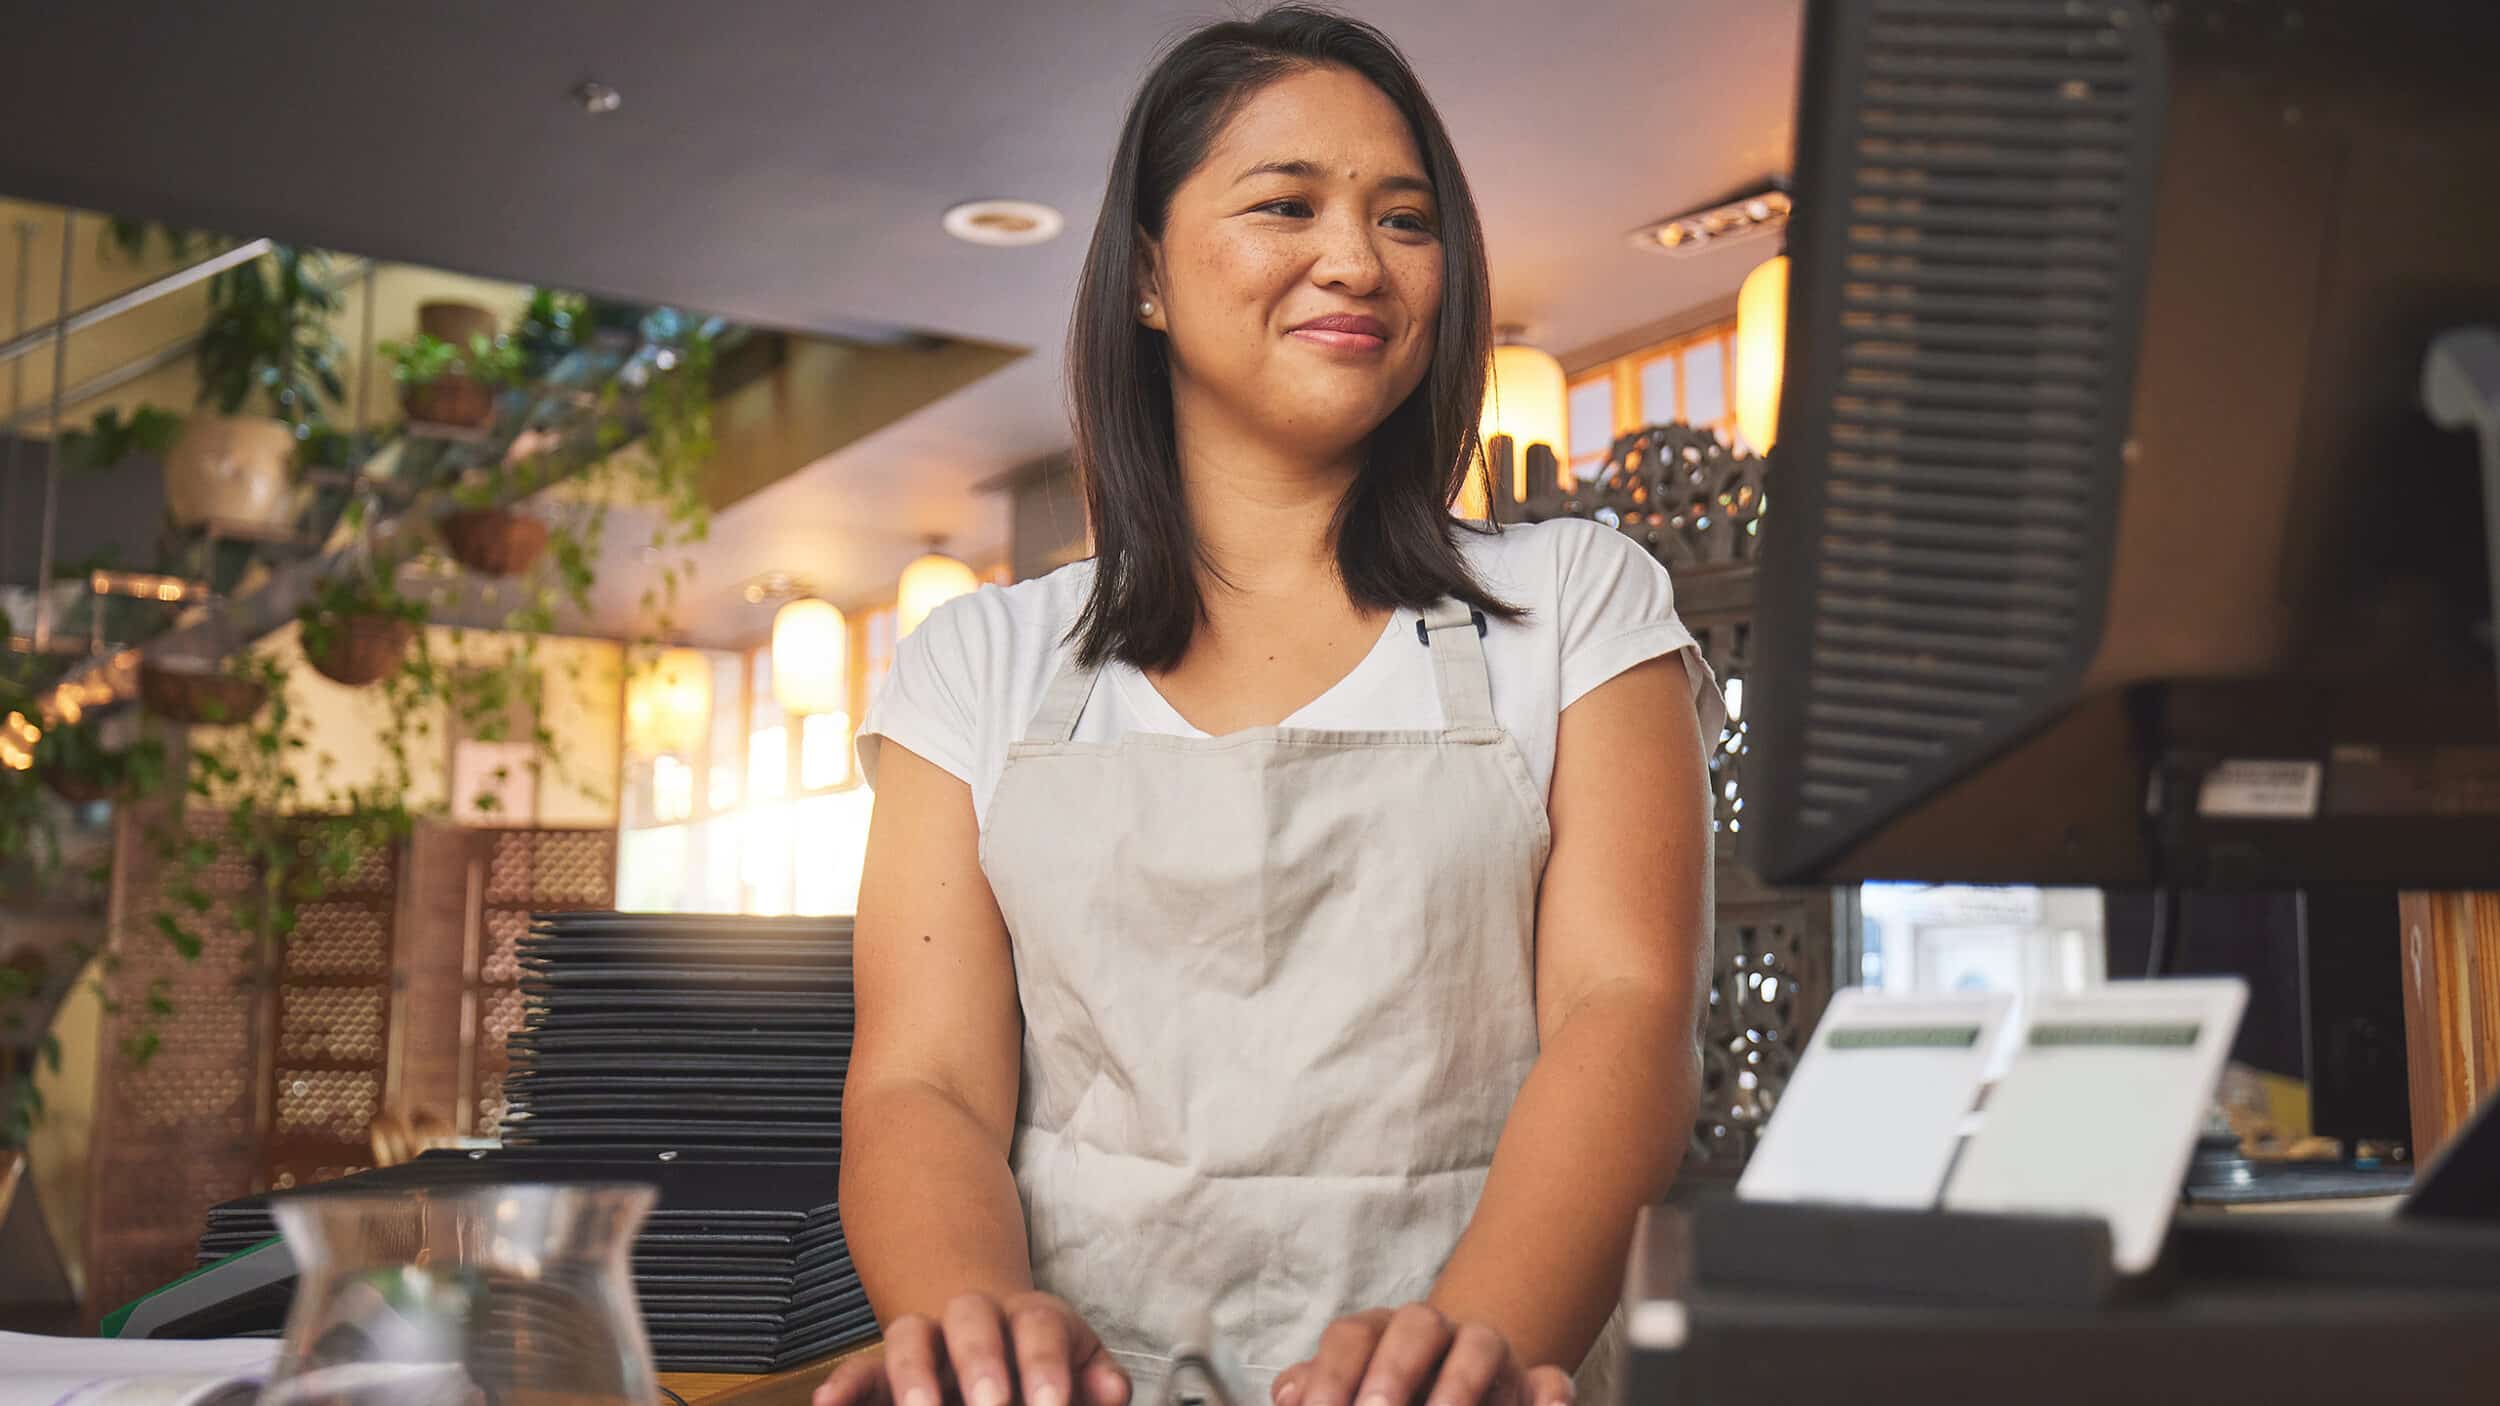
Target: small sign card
{"x":1877,"y":1103}
{"x":2099,"y":1112}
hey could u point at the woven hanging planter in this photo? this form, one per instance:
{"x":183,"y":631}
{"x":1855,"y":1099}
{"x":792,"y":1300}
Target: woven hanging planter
{"x":197,"y":699}
{"x":363,"y":649}
{"x":493,"y":541}
{"x":458,"y":401}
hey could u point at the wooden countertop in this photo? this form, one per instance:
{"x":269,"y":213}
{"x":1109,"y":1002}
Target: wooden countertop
{"x":790,"y":1388}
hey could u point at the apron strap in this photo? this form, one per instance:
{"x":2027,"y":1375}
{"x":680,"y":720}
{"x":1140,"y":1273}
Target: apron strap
{"x":1453,"y":630}
{"x":1062,"y":703}
{"x":1456,"y":634}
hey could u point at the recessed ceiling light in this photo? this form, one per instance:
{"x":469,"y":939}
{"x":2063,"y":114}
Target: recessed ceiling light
{"x":1004,"y":223}
{"x":1697,"y":230}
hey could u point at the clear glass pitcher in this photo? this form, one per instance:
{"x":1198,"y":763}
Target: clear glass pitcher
{"x":491,"y":1295}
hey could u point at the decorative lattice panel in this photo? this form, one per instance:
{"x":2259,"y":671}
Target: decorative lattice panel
{"x":339,"y":940}
{"x":332,"y":1023}
{"x":505,"y":927}
{"x":1696,"y":505}
{"x":499,"y":1015}
{"x":525,"y":872}
{"x":176,"y":1132}
{"x":396,"y":991}
{"x":333,"y":1037}
{"x":332,"y":1104}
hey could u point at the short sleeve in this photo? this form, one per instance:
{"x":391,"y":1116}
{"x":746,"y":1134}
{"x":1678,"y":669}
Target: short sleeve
{"x":927,"y":700}
{"x":1616,"y":609}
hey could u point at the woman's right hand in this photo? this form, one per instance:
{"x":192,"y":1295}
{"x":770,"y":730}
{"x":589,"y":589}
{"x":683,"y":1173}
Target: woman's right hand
{"x":983,"y":1347}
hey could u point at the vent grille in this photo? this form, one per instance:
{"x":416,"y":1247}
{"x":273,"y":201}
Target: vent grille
{"x":1977,"y":237}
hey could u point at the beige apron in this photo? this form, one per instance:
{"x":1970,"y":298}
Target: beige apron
{"x":1278,"y":998}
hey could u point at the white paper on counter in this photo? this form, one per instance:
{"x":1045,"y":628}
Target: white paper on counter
{"x":42,"y":1371}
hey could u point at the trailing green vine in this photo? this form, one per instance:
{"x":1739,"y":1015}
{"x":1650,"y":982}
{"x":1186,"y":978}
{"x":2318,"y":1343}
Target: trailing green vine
{"x":280,"y":806}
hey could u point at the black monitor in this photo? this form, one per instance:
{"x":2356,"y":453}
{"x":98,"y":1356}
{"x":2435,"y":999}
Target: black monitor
{"x":2109,"y":540}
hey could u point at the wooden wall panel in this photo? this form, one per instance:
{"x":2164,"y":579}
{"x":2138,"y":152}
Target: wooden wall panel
{"x":436,"y":900}
{"x":2452,"y":1009}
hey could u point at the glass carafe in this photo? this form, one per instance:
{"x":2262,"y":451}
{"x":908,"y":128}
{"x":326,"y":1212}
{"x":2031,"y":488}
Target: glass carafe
{"x":493,"y":1295}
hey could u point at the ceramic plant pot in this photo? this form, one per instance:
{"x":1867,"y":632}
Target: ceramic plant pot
{"x":232,"y":471}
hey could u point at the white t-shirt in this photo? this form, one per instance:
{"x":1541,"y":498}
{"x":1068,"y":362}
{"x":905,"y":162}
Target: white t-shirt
{"x":967,"y":682}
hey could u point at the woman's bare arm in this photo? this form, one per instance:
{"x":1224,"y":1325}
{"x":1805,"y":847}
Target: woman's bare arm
{"x":1623,"y":924}
{"x":929,"y":1207}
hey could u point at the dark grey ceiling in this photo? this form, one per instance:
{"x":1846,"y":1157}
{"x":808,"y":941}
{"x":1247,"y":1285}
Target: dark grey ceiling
{"x":785,"y":162}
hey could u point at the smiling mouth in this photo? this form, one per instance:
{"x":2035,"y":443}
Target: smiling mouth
{"x":1339,"y":339}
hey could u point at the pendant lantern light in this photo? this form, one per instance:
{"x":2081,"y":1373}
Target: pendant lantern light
{"x":18,"y":736}
{"x":929,"y":582}
{"x":1526,"y":399}
{"x":1761,"y":349}
{"x":811,"y":657}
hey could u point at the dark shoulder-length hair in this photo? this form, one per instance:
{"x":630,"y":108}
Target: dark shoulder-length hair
{"x":1395,"y":536}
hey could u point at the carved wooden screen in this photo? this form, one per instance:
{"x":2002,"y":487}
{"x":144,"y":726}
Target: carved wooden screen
{"x":527,"y":871}
{"x":180,"y":1132}
{"x":329,"y":1062}
{"x":395,"y":992}
{"x":1696,"y":505}
{"x":470,"y":894}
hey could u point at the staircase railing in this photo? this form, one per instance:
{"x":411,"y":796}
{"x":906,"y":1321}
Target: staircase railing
{"x":563,"y":403}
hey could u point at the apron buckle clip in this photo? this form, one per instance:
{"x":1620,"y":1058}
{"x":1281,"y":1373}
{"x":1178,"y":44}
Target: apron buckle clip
{"x":1423,"y":628}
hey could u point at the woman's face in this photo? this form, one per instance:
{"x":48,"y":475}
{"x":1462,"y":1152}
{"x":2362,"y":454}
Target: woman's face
{"x":1299,"y":273}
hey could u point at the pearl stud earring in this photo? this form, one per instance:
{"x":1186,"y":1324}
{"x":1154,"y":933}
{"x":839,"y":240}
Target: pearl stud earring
{"x":1146,"y":308}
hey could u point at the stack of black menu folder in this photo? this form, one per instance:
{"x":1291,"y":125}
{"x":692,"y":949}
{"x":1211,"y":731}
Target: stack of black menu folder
{"x":703,"y":1055}
{"x":672,"y":1032}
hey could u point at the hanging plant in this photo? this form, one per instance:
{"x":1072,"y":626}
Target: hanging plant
{"x":550,"y":330}
{"x":108,"y":439}
{"x":357,"y":626}
{"x":74,"y":762}
{"x":268,"y":343}
{"x":639,"y":437}
{"x":268,"y":366}
{"x":29,"y":844}
{"x":198,"y":697}
{"x":298,"y":846}
{"x":493,"y":541}
{"x":441,"y":383}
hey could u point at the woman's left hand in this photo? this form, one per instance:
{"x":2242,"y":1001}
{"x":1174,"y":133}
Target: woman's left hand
{"x":1394,"y":1357}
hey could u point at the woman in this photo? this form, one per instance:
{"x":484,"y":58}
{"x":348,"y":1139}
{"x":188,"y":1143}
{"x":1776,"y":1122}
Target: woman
{"x":1295,"y":913}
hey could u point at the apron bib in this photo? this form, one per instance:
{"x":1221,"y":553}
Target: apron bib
{"x":1278,"y":995}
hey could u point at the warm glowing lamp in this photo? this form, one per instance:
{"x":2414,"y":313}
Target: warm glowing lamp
{"x":18,"y":736}
{"x":1525,"y":399}
{"x":929,"y":582}
{"x":811,"y":657}
{"x":668,"y":706}
{"x":1761,"y":347}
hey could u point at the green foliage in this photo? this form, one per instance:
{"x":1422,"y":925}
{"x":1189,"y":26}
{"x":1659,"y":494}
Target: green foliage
{"x":497,"y":360}
{"x":372,"y":592}
{"x":130,"y":238}
{"x":29,"y":846}
{"x":109,"y":439}
{"x":76,"y":751}
{"x":551,"y":327}
{"x":421,"y":362}
{"x":279,"y":806}
{"x":28,"y":841}
{"x":268,"y":341}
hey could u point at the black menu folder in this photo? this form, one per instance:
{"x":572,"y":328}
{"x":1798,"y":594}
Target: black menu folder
{"x":701,"y":1054}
